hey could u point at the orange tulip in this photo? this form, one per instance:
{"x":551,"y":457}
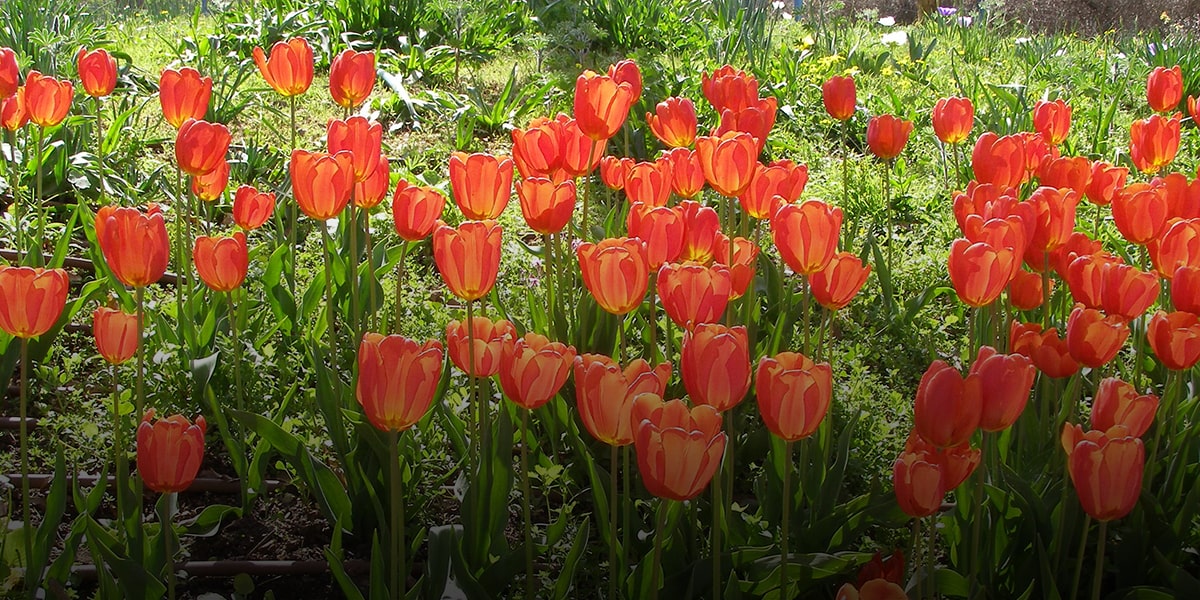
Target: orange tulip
{"x":1025,"y":290}
{"x":1183,"y":197}
{"x":1164,"y":88}
{"x":47,"y":99}
{"x":533,"y":369}
{"x":546,"y":206}
{"x":613,"y":170}
{"x":184,"y":95}
{"x":728,"y":161}
{"x":1179,"y":247}
{"x":729,"y":89}
{"x":1185,"y":289}
{"x":370,"y":192}
{"x":468,"y":257}
{"x":397,"y":379}
{"x":890,"y":569}
{"x":793,"y":394}
{"x":482,"y":184}
{"x":999,"y":160}
{"x":602,"y":104}
{"x":1107,"y":473}
{"x":1128,"y":291}
{"x":116,"y":334}
{"x":956,"y":463}
{"x":31,"y":299}
{"x":838,"y":94}
{"x":687,"y":174}
{"x":953,"y":119}
{"x":874,"y":589}
{"x":1048,"y":352}
{"x":693,"y":293}
{"x":580,"y":153}
{"x":840,"y":281}
{"x":1085,"y":279}
{"x":919,"y":485}
{"x":1074,"y":172}
{"x":209,"y":187}
{"x":416,"y":210}
{"x":948,"y":407}
{"x":1008,"y":232}
{"x":660,"y":229}
{"x":10,"y":73}
{"x":1175,"y":339}
{"x":486,"y":339}
{"x":627,"y":71}
{"x":1052,"y":120}
{"x":1037,"y":151}
{"x":674,"y":122}
{"x":322,"y":183}
{"x":678,"y":450}
{"x":980,"y":271}
{"x":773,"y":185}
{"x":615,"y":271}
{"x":361,"y":138}
{"x":1054,"y":217}
{"x":97,"y":71}
{"x":744,"y":255}
{"x":537,"y":150}
{"x":135,"y":245}
{"x":988,"y":201}
{"x":1106,"y":183}
{"x":1193,"y":108}
{"x":169,"y":452}
{"x":351,"y":77}
{"x":714,"y":364}
{"x":604,"y":394}
{"x":649,"y":183}
{"x":252,"y":208}
{"x":807,"y":235}
{"x":1140,"y":213}
{"x":1077,"y":244}
{"x":887,"y":136}
{"x":221,"y":262}
{"x":701,"y":227}
{"x":1118,"y":403}
{"x":200,"y":146}
{"x":1153,"y":142}
{"x":756,"y":120}
{"x":13,"y":114}
{"x":1093,"y":338}
{"x":1005,"y":381}
{"x":289,"y":70}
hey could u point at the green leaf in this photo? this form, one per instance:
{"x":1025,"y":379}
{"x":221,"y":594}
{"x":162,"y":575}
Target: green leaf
{"x":565,"y":577}
{"x":208,"y":522}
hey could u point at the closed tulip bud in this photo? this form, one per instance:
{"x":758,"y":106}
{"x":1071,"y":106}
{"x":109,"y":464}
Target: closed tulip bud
{"x":615,"y":272}
{"x":482,"y":184}
{"x":252,"y":208}
{"x":362,"y":139}
{"x":1179,"y":247}
{"x":999,"y":160}
{"x":948,"y":406}
{"x":1074,"y":172}
{"x":687,"y":175}
{"x":222,"y":262}
{"x":183,"y":95}
{"x":627,"y":71}
{"x":1077,"y":244}
{"x":1193,"y":108}
{"x":200,"y":147}
{"x":10,"y":73}
{"x":580,"y":153}
{"x":370,"y":192}
{"x":416,"y":210}
{"x":1175,"y":339}
{"x":1118,"y":403}
{"x":486,"y":340}
{"x":1164,"y":88}
{"x":351,"y":77}
{"x":957,"y":462}
{"x":13,"y":114}
{"x":468,"y":257}
{"x":953,"y":119}
{"x":533,"y":369}
{"x":1128,"y":292}
{"x":1107,"y":474}
{"x":701,"y":227}
{"x":397,"y":379}
{"x":891,"y":569}
{"x":1025,"y":290}
{"x":602,"y":104}
{"x":169,"y":452}
{"x":47,"y":99}
{"x":660,"y":229}
{"x":1054,"y":217}
{"x":714,"y":364}
{"x":537,"y":149}
{"x":604,"y":394}
{"x":728,"y":161}
{"x":1106,"y":183}
{"x":1008,"y":232}
{"x":649,"y":183}
{"x":740,"y":259}
{"x":807,"y":235}
{"x":116,"y":334}
{"x":793,"y":394}
{"x":1085,"y":279}
{"x":546,"y":206}
{"x":678,"y":450}
{"x":693,"y":293}
{"x":289,"y":69}
{"x":614,"y":171}
{"x":1140,"y":213}
{"x":1037,"y":153}
{"x":980,"y":272}
{"x":1153,"y":142}
{"x":887,"y":136}
{"x":1005,"y":382}
{"x":919,"y":485}
{"x":756,"y":120}
{"x":210,"y":186}
{"x":1048,"y":352}
{"x":1185,"y":289}
{"x":31,"y":299}
{"x":322,"y":183}
{"x":135,"y":245}
{"x":1093,"y":338}
{"x":674,"y":122}
{"x":1052,"y":120}
{"x":838,"y":95}
{"x":729,"y":89}
{"x":97,"y":72}
{"x":840,"y":281}
{"x":773,"y":186}
{"x":988,"y":201}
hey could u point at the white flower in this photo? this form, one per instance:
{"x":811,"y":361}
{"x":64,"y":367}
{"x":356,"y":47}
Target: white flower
{"x":778,"y":5}
{"x":787,"y":16}
{"x":1022,"y":40}
{"x":965,"y":21}
{"x":895,"y":38}
{"x":887,"y":21}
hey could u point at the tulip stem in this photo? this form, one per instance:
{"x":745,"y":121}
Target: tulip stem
{"x":120,"y":457}
{"x":587,"y":190}
{"x":237,"y":351}
{"x":718,"y":511}
{"x":352,"y":273}
{"x":164,"y":521}
{"x":887,"y":209}
{"x":1170,"y":400}
{"x":12,"y":174}
{"x":659,"y":531}
{"x":917,"y":555}
{"x":99,"y":147}
{"x":139,"y":397}
{"x":472,"y":399}
{"x":548,"y":275}
{"x":293,"y":213}
{"x":1045,"y":290}
{"x":977,"y":518}
{"x":1099,"y":571}
{"x":400,"y":283}
{"x":27,"y":523}
{"x":179,"y":265}
{"x":613,"y":566}
{"x":957,"y":167}
{"x":41,"y":201}
{"x":845,"y":177}
{"x":626,"y":506}
{"x":399,"y":573}
{"x":373,"y":298}
{"x":653,"y":320}
{"x":785,"y":520}
{"x":331,"y":332}
{"x":525,"y":494}
{"x":1087,"y":525}
{"x":806,"y":298}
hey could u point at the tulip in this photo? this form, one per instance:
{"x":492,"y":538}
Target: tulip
{"x":1077,"y":244}
{"x":13,"y":114}
{"x":1128,"y":292}
{"x":1106,"y":183}
{"x":1074,"y":172}
{"x":169,"y":452}
{"x":956,"y":463}
{"x":482,"y":184}
{"x":322,"y":183}
{"x":693,"y":293}
{"x":891,"y":569}
{"x":1093,"y":338}
{"x":772,"y":186}
{"x":1052,"y":120}
{"x":701,"y":227}
{"x":756,"y":120}
{"x":533,"y":369}
{"x":613,"y":170}
{"x":222,"y":262}
{"x":988,"y":201}
{"x":397,"y":379}
{"x":1164,"y":88}
{"x":1183,"y":197}
{"x":1179,"y":247}
{"x":468,"y":257}
{"x":999,"y":160}
{"x":793,"y":394}
{"x":416,"y":210}
{"x":980,"y":272}
{"x":1008,"y":232}
{"x":1118,"y":403}
{"x":252,"y":208}
{"x":351,"y":77}
{"x":687,"y":174}
{"x":537,"y":150}
{"x":838,"y":95}
{"x":200,"y":147}
{"x":210,"y":186}
{"x":1085,"y":279}
{"x":678,"y":450}
{"x":602,"y":104}
{"x":744,"y":254}
{"x":116,"y":334}
{"x":729,"y":89}
{"x":31,"y":299}
{"x":948,"y":407}
{"x":953,"y":119}
{"x":10,"y":73}
{"x":362,"y":139}
{"x":1193,"y":108}
{"x":806,"y":235}
{"x":1153,"y":142}
{"x":289,"y":70}
{"x":580,"y":153}
{"x":1140,"y":213}
{"x":1175,"y":339}
{"x":714,"y":364}
{"x":546,"y":206}
{"x":486,"y":340}
{"x":887,"y":136}
{"x":1025,"y":290}
{"x":919,"y":485}
{"x":47,"y":99}
{"x":674,"y":122}
{"x":1185,"y":289}
{"x":604,"y":394}
{"x":875,"y":589}
{"x":370,"y":192}
{"x":97,"y":72}
{"x":1107,"y":474}
{"x":184,"y":95}
{"x":616,"y":273}
{"x":660,"y":229}
{"x":1005,"y":381}
{"x":1054,"y":217}
{"x":135,"y":245}
{"x":627,"y":71}
{"x":728,"y":161}
{"x":1048,"y":352}
{"x":649,"y":182}
{"x":840,"y":281}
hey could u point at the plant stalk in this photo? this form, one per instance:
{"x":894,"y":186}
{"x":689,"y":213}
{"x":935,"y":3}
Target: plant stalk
{"x":26,"y":515}
{"x":237,"y":351}
{"x":659,"y":532}
{"x":785,"y":528}
{"x":400,"y":283}
{"x":613,"y":565}
{"x":1098,"y":575}
{"x":399,"y":561}
{"x":1087,"y":525}
{"x":164,"y":519}
{"x":525,"y":495}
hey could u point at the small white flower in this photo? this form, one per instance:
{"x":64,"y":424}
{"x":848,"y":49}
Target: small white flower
{"x":1022,"y":40}
{"x":778,"y":5}
{"x":895,"y":38}
{"x":965,"y":21}
{"x":787,"y":16}
{"x":887,"y":21}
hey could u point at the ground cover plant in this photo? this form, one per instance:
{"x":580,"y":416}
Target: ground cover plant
{"x":596,"y":300}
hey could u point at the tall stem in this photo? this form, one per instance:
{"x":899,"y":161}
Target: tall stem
{"x":845,"y":171}
{"x":180,"y":266}
{"x":917,"y":557}
{"x":957,"y":169}
{"x":718,"y":511}
{"x":977,"y":517}
{"x":400,"y":283}
{"x":14,"y":176}
{"x":473,"y":399}
{"x":785,"y":529}
{"x":587,"y":188}
{"x":120,"y":457}
{"x":237,"y":352}
{"x":529,"y":581}
{"x":41,"y":200}
{"x":653,"y":320}
{"x":352,"y":273}
{"x":27,"y":522}
{"x":99,"y":148}
{"x":398,"y":570}
{"x":1087,"y":525}
{"x":1098,"y":575}
{"x":330,"y":330}
{"x":613,"y":498}
{"x":887,"y":207}
{"x":627,"y":506}
{"x":139,"y":397}
{"x":659,"y":532}
{"x":372,"y":297}
{"x":164,"y":520}
{"x":293,"y":213}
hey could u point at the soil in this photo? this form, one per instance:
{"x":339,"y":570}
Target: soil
{"x":1086,"y":17}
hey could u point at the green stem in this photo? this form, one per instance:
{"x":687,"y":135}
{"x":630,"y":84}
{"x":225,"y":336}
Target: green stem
{"x":41,"y":200}
{"x":237,"y":352}
{"x":548,"y":275}
{"x":887,"y":207}
{"x":957,"y":169}
{"x":930,"y":548}
{"x":14,"y":174}
{"x":352,"y":273}
{"x":294,"y":212}
{"x":27,"y":519}
{"x":587,"y":191}
{"x":525,"y":496}
{"x":164,"y":520}
{"x":330,"y":330}
{"x":1087,"y":524}
{"x":717,"y":512}
{"x":372,"y":297}
{"x":1096,"y":222}
{"x":845,"y":172}
{"x":613,"y":498}
{"x":119,"y":453}
{"x":806,"y":299}
{"x":139,"y":396}
{"x":404,"y":245}
{"x":917,"y":556}
{"x":1098,"y":575}
{"x":473,"y":400}
{"x":785,"y":529}
{"x":99,"y":149}
{"x":626,"y":506}
{"x":653,"y":320}
{"x":977,"y":519}
{"x":180,"y":267}
{"x":659,"y":533}
{"x":1045,"y":290}
{"x":399,"y":561}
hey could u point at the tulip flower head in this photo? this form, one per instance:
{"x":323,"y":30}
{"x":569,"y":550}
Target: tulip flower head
{"x":714,"y":364}
{"x":1164,"y":88}
{"x":184,"y":95}
{"x":602,"y":104}
{"x":533,"y":369}
{"x":919,"y":484}
{"x":370,"y":192}
{"x":660,"y":228}
{"x":547,"y":206}
{"x":839,"y":96}
{"x":1106,"y":469}
{"x":1118,"y":403}
{"x":616,"y":273}
{"x":468,"y":257}
{"x":949,"y":406}
{"x":1175,"y":339}
{"x":135,"y":244}
{"x":793,"y":394}
{"x":482,"y":184}
{"x":807,"y":235}
{"x":999,"y":160}
{"x":840,"y":281}
{"x":728,"y":161}
{"x":1154,"y":141}
{"x":1185,"y":289}
{"x":48,"y":100}
{"x":613,"y":170}
{"x":887,"y":135}
{"x":322,"y":183}
{"x":740,"y":255}
{"x":678,"y":449}
{"x":13,"y":114}
{"x":729,"y":89}
{"x":674,"y":122}
{"x":416,"y":210}
{"x":1093,"y":338}
{"x":200,"y":147}
{"x":31,"y":299}
{"x":252,"y":208}
{"x":1005,"y":382}
{"x":1046,"y":349}
{"x":222,"y":262}
{"x":486,"y":339}
{"x":211,"y":186}
{"x":687,"y":174}
{"x":361,"y":138}
{"x":1105,"y":183}
{"x":397,"y":379}
{"x":116,"y":334}
{"x":289,"y":69}
{"x":169,"y":452}
{"x":604,"y":394}
{"x":10,"y":73}
{"x":692,"y":293}
{"x":351,"y":78}
{"x":953,"y":119}
{"x":649,"y":183}
{"x":97,"y":71}
{"x":1052,"y":120}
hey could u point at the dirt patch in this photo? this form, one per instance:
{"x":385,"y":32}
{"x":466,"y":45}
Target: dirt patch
{"x":1086,"y":17}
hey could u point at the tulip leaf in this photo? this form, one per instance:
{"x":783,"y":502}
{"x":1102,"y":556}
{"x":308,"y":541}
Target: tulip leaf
{"x":208,"y":522}
{"x":279,"y":297}
{"x":56,"y":505}
{"x":566,"y":576}
{"x":131,"y":575}
{"x":334,"y":556}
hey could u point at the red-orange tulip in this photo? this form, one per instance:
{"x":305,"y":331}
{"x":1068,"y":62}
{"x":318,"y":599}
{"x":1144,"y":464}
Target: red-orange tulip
{"x":533,"y":369}
{"x":1054,"y":217}
{"x":1052,"y":120}
{"x":221,"y":262}
{"x":1183,"y":197}
{"x":1005,"y":381}
{"x":416,"y":210}
{"x":839,"y":95}
{"x":31,"y":299}
{"x":322,"y":183}
{"x":546,"y":206}
{"x":1085,"y":279}
{"x":980,"y":272}
{"x":116,"y":334}
{"x":135,"y":245}
{"x":252,"y":208}
{"x":1118,"y":403}
{"x":97,"y":71}
{"x":169,"y":452}
{"x":887,"y":136}
{"x":1185,"y":289}
{"x":627,"y":71}
{"x":728,"y":161}
{"x":999,"y":160}
{"x":1107,"y":474}
{"x":1025,"y":290}
{"x":1175,"y":339}
{"x":1093,"y":338}
{"x":1074,"y":172}
{"x":756,"y":120}
{"x":481,"y":184}
{"x":351,"y":77}
{"x":649,"y":183}
{"x":580,"y":153}
{"x":397,"y":379}
{"x":741,"y":260}
{"x":701,"y":227}
{"x":839,"y":282}
{"x":1106,"y":182}
{"x":1140,"y":213}
{"x":47,"y":99}
{"x":660,"y":228}
{"x":1009,"y":232}
{"x":370,"y":192}
{"x":602,"y":104}
{"x":211,"y":186}
{"x":678,"y":450}
{"x":1153,"y":142}
{"x":537,"y":149}
{"x":486,"y":339}
{"x":1048,"y":352}
{"x":1037,"y":151}
{"x":948,"y":406}
{"x":183,"y":95}
{"x":793,"y":394}
{"x":890,"y":569}
{"x":361,"y":138}
{"x":687,"y":174}
{"x":674,"y":122}
{"x":693,"y":293}
{"x":1077,"y":244}
{"x":468,"y":257}
{"x":1164,"y":88}
{"x":13,"y":114}
{"x":289,"y":70}
{"x":807,"y":235}
{"x":988,"y":201}
{"x":729,"y":89}
{"x":953,"y":119}
{"x":957,"y":463}
{"x":919,"y":484}
{"x":613,"y":170}
{"x":1179,"y":247}
{"x":200,"y":146}
{"x":604,"y":394}
{"x":714,"y":364}
{"x":773,"y":185}
{"x":1128,"y":291}
{"x":615,"y":272}
{"x":1193,"y":108}
{"x":10,"y":73}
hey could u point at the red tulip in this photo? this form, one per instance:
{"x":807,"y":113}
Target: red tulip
{"x":184,"y":95}
{"x":361,"y":138}
{"x":744,"y":254}
{"x":953,"y":119}
{"x":980,"y":272}
{"x":1175,"y":339}
{"x":1153,"y":142}
{"x":1118,"y":403}
{"x":649,"y":183}
{"x":370,"y":192}
{"x":687,"y":175}
{"x":807,"y":235}
{"x":1193,"y":108}
{"x":613,"y":170}
{"x":674,"y":122}
{"x":486,"y":340}
{"x":209,"y":187}
{"x":891,"y":569}
{"x":1185,"y":289}
{"x":1005,"y":381}
{"x":533,"y":369}
{"x":351,"y":77}
{"x":1106,"y":183}
{"x":1128,"y":292}
{"x":627,"y":71}
{"x":10,"y":73}
{"x":322,"y":183}
{"x":1074,"y":172}
{"x":200,"y":146}
{"x":47,"y":99}
{"x":1025,"y":290}
{"x":252,"y":208}
{"x":773,"y":185}
{"x":1077,"y":244}
{"x":701,"y":227}
{"x":416,"y":210}
{"x":169,"y":452}
{"x":468,"y":257}
{"x":116,"y":334}
{"x":839,"y":282}
{"x":546,"y":206}
{"x":602,"y":104}
{"x":1008,"y":232}
{"x":1164,"y":88}
{"x":756,"y":120}
{"x":580,"y":153}
{"x":729,"y":89}
{"x":693,"y":293}
{"x":615,"y":272}
{"x":919,"y":484}
{"x":793,"y":394}
{"x":887,"y":136}
{"x":948,"y":407}
{"x":1107,"y":474}
{"x":397,"y":379}
{"x":678,"y":450}
{"x":956,"y":463}
{"x":1054,"y":217}
{"x":135,"y":245}
{"x":1183,"y":197}
{"x":13,"y":114}
{"x":482,"y":184}
{"x":1052,"y":120}
{"x":289,"y":70}
{"x":988,"y":201}
{"x":222,"y":262}
{"x":604,"y":394}
{"x":838,"y":94}
{"x":728,"y":161}
{"x":999,"y":160}
{"x":1093,"y":338}
{"x":1179,"y":247}
{"x":1140,"y":213}
{"x":31,"y":299}
{"x":714,"y":364}
{"x":660,"y":229}
{"x":537,"y":150}
{"x":1085,"y":278}
{"x":874,"y":589}
{"x":97,"y":71}
{"x":1048,"y":352}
